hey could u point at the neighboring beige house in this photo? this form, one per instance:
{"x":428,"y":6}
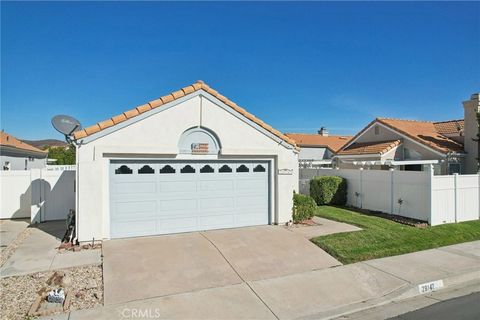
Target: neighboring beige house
{"x":411,"y":144}
{"x":318,"y":149}
{"x":18,"y":155}
{"x":190,"y":160}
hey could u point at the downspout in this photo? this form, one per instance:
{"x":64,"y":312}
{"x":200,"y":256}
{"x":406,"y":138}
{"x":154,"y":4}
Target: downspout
{"x":75,"y":238}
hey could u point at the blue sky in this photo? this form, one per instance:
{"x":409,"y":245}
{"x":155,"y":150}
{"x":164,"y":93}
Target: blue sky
{"x":297,"y":66}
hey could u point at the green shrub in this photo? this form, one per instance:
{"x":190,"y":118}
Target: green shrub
{"x":303,"y":207}
{"x":329,"y":190}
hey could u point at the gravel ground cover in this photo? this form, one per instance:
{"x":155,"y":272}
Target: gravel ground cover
{"x":18,"y":293}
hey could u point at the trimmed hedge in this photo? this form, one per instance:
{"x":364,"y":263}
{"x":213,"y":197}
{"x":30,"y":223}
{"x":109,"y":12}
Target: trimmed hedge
{"x":329,"y":190}
{"x":303,"y":207}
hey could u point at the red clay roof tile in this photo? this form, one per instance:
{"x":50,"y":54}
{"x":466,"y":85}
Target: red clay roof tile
{"x":188,"y":89}
{"x":424,"y":132}
{"x":178,"y":94}
{"x":144,"y":108}
{"x":105,"y":124}
{"x":156,"y":103}
{"x":117,"y":119}
{"x":167,"y":98}
{"x":92,"y":129}
{"x":7,"y":140}
{"x":377,"y":147}
{"x":131,"y":113}
{"x":450,"y":127}
{"x":334,"y":143}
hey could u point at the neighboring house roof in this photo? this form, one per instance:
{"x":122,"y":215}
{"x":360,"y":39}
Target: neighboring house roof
{"x":377,"y":147}
{"x":423,"y":132}
{"x":450,"y":127}
{"x":7,"y":140}
{"x":199,"y":85}
{"x":334,"y":143}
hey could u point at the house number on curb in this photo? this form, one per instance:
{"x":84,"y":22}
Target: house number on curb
{"x":430,"y":286}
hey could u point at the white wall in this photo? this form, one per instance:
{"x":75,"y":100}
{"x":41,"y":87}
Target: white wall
{"x":455,"y":198}
{"x":157,"y":136}
{"x":436,"y":199}
{"x":311,"y":153}
{"x":38,"y":194}
{"x":16,"y":195}
{"x":19,"y":162}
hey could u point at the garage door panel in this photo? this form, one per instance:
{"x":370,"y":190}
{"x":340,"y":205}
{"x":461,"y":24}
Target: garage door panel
{"x":249,"y":217}
{"x":216,"y":221}
{"x":123,"y":208}
{"x":180,"y":204}
{"x":251,"y":184}
{"x":216,"y":203}
{"x":250,"y":201}
{"x":134,"y":228}
{"x":235,"y":194}
{"x":177,"y":224}
{"x":178,"y":186}
{"x":134,"y":187}
{"x":216,"y":185}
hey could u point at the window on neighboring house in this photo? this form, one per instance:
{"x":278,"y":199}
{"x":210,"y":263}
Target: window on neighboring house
{"x":413,"y":167}
{"x":377,"y":130}
{"x":454,"y":168}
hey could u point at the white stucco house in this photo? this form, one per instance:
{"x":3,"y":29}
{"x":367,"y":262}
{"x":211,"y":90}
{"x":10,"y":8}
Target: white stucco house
{"x":414,"y":145}
{"x":191,"y":160}
{"x":18,"y":155}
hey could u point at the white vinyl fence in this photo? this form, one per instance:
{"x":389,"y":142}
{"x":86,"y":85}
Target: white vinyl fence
{"x":38,"y":194}
{"x":419,"y":195}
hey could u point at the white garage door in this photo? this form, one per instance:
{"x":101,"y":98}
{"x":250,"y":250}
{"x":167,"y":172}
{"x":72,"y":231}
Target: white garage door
{"x":160,"y":197}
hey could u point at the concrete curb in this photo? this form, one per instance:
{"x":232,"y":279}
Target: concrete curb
{"x":403,"y":293}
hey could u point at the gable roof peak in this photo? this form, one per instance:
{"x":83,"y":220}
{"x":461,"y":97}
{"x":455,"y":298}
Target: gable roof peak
{"x":198,"y":85}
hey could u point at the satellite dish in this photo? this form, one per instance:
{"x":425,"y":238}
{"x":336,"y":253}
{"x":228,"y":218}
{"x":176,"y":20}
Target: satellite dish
{"x":66,"y":124}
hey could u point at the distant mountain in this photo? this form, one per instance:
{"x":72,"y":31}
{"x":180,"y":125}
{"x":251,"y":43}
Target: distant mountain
{"x":43,"y":144}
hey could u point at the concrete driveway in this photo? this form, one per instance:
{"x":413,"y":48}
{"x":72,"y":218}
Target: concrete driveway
{"x":141,"y":268}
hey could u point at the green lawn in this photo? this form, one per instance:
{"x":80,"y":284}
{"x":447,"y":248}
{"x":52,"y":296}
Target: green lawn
{"x":381,"y":237}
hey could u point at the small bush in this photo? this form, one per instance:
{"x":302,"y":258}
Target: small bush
{"x":329,"y":190}
{"x":303,"y":207}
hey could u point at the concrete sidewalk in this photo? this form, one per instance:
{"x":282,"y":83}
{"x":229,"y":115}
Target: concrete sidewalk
{"x":38,"y":252}
{"x":9,"y":231}
{"x":316,"y":294}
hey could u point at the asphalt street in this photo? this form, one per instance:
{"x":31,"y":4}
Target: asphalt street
{"x":461,"y":308}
